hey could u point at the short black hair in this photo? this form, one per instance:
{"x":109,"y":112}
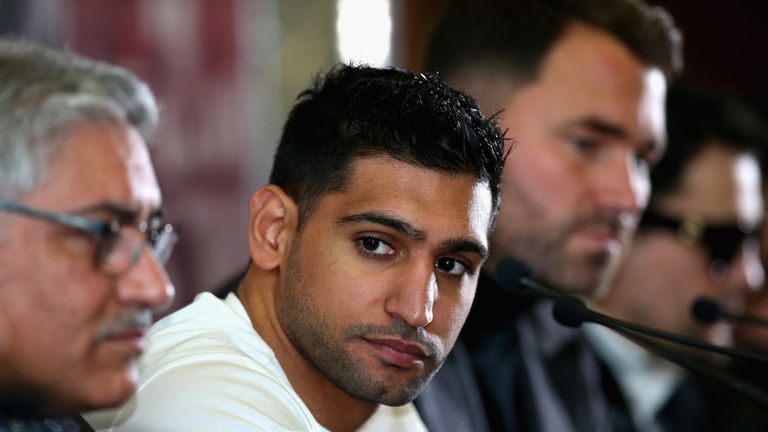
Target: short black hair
{"x":358,"y":111}
{"x":697,"y":119}
{"x":514,"y":36}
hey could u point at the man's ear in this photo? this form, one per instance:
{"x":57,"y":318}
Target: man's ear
{"x":272,"y":222}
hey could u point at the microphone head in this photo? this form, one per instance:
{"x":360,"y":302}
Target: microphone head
{"x":568,"y":314}
{"x":706,"y":311}
{"x":510,"y":272}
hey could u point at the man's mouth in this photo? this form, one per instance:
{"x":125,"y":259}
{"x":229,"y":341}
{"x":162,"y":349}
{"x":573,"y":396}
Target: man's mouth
{"x":399,"y":352}
{"x":603,"y":236}
{"x":129,"y":328}
{"x":132,"y":340}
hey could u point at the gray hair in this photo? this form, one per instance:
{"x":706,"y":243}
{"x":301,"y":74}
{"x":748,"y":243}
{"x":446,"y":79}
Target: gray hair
{"x":44,"y":93}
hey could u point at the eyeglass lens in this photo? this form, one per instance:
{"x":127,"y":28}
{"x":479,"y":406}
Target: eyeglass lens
{"x":120,"y":250}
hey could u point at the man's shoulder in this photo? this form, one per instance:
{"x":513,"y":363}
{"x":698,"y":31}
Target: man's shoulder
{"x":205,"y":369}
{"x":223,"y":391}
{"x":209,"y":329}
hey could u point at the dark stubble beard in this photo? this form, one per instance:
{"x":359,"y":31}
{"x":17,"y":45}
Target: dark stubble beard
{"x":323,"y":344}
{"x":545,"y":252}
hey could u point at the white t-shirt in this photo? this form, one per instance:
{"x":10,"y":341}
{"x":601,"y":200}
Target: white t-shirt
{"x":206,"y":369}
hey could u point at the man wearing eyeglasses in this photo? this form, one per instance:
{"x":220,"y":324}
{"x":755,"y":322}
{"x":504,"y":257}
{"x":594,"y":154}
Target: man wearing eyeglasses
{"x":699,"y":238}
{"x":82,"y":244}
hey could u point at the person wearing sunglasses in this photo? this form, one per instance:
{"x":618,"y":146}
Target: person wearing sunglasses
{"x":82,"y":241}
{"x":699,"y":238}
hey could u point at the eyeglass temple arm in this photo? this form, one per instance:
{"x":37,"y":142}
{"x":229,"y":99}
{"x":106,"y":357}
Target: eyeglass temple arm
{"x":61,"y":218}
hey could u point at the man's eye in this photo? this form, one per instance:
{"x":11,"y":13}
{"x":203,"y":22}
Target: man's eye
{"x":642,"y":162}
{"x":375,"y":247}
{"x":583,"y":144}
{"x":451,"y":266}
{"x":80,"y":242}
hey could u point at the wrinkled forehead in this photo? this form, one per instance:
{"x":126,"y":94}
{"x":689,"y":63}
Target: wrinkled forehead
{"x":593,"y":74}
{"x":423,"y":196}
{"x":98,"y":164}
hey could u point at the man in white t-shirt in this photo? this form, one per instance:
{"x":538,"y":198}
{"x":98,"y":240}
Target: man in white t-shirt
{"x":365,"y":251}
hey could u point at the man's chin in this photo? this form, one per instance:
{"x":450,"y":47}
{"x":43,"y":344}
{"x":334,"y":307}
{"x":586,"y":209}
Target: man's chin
{"x":587,"y":278}
{"x":399,"y":397}
{"x":110,"y":390}
{"x":391,"y":393}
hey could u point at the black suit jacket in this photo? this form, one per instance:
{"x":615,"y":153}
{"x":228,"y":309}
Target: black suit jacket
{"x":453,"y":402}
{"x":506,"y":347}
{"x":457,"y":398}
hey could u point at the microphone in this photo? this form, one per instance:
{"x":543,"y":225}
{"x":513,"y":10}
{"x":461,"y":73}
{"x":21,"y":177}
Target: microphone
{"x":511,"y":274}
{"x":515,"y":275}
{"x":570,"y":314}
{"x":566,"y":313}
{"x":708,"y":311}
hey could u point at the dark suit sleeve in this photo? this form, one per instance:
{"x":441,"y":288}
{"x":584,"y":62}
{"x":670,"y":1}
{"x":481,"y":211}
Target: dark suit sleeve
{"x":451,"y":401}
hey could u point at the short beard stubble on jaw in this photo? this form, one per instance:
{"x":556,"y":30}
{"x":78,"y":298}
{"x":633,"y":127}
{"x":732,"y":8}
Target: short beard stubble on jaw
{"x":326,"y":347}
{"x":545,"y":252}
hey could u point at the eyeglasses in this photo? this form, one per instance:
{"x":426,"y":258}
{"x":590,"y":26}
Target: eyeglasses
{"x":723,"y":242}
{"x":119,"y":247}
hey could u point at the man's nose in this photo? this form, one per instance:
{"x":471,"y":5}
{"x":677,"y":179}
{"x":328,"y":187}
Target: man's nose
{"x":620,"y":185}
{"x":414,"y":295}
{"x":146,"y":283}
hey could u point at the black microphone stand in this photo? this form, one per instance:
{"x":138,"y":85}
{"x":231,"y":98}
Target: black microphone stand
{"x":512,"y":274}
{"x":648,"y":342}
{"x":708,"y":311}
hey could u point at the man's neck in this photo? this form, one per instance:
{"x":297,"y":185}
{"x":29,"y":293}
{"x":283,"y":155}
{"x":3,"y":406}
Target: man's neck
{"x":331,"y":406}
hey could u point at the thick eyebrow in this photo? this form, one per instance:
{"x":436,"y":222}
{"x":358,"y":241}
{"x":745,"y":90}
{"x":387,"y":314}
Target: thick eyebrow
{"x":404,"y":228}
{"x":651,"y":147}
{"x":415,"y":234}
{"x":602,"y":127}
{"x":464,"y":245}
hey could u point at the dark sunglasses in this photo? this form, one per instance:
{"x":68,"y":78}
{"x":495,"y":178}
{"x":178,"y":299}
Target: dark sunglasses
{"x":723,"y":242}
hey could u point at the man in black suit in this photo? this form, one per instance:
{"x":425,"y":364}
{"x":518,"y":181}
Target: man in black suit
{"x":580,"y":86}
{"x":82,"y":245}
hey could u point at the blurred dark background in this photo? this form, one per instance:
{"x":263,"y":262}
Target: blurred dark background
{"x":725,"y":42}
{"x":225,"y":73}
